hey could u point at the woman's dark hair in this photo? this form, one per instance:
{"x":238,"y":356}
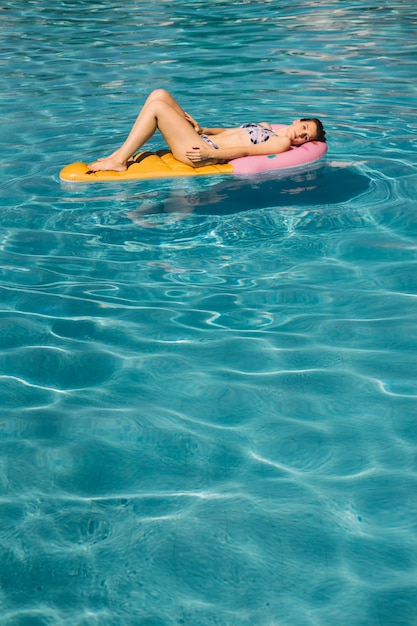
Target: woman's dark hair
{"x":321,"y":133}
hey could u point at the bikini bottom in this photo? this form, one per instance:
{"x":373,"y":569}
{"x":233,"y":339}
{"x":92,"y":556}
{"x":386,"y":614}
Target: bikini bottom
{"x":209,"y":141}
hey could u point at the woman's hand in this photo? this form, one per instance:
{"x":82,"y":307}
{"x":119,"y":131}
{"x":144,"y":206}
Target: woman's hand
{"x":193,"y":123}
{"x":200,"y":156}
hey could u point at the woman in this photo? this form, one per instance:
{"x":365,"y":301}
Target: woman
{"x":198,"y":146}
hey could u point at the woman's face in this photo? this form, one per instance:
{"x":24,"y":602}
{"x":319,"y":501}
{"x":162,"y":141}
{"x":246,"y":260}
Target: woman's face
{"x":300,"y":132}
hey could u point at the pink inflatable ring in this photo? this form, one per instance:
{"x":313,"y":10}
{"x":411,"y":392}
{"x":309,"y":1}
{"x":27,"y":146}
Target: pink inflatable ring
{"x":294,"y":157}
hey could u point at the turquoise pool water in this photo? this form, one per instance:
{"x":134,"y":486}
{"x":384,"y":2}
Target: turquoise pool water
{"x":208,"y":387}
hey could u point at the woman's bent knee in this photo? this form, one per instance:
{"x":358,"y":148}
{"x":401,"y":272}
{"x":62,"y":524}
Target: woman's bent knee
{"x":160,"y":94}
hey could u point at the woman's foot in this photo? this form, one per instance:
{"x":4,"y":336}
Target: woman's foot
{"x":109,"y":163}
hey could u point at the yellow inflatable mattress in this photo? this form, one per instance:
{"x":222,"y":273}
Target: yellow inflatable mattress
{"x":160,"y":164}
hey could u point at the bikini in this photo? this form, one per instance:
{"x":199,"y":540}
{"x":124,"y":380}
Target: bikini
{"x":209,"y":141}
{"x":257,"y":134}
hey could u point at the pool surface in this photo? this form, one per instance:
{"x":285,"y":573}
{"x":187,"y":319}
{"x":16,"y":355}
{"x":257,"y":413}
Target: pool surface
{"x":208,"y":386}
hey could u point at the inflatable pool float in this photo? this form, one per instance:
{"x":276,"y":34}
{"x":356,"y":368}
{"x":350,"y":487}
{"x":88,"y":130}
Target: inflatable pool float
{"x":162,"y":164}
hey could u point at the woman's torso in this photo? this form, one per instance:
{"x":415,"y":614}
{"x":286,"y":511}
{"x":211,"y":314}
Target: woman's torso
{"x":232,"y":137}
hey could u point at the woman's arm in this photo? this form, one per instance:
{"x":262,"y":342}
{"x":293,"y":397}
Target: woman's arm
{"x":274,"y":145}
{"x":212,"y":131}
{"x":199,"y":129}
{"x":216,"y":131}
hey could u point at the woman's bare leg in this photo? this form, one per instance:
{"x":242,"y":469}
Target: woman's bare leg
{"x":158,"y":95}
{"x":165,"y":96}
{"x":160,"y":111}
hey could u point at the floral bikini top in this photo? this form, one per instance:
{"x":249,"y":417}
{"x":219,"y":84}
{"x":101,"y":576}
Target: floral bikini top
{"x":258,"y":133}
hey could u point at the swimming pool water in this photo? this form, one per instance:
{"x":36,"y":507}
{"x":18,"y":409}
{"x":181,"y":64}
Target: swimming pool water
{"x":208,"y":387}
